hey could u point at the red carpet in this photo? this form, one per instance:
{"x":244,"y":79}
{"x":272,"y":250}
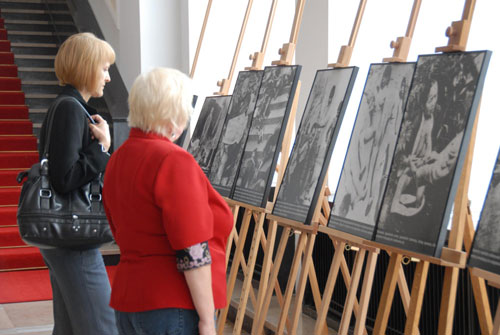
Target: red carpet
{"x":18,"y":151}
{"x":32,"y":285}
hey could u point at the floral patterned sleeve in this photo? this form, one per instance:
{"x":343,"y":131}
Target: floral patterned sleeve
{"x":193,"y":257}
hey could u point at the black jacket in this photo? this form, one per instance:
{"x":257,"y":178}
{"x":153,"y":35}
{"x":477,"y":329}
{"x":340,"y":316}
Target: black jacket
{"x":74,"y":157}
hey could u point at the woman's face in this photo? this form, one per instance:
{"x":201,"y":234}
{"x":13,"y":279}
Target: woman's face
{"x":102,"y":79}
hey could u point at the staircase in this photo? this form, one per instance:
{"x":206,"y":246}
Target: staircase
{"x":30,"y":33}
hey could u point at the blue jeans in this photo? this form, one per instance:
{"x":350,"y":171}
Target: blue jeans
{"x":81,"y":292}
{"x":166,"y":321}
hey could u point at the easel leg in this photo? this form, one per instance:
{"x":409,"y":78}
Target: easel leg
{"x":387,"y":294}
{"x":478,"y":285}
{"x":247,"y":282}
{"x":330,"y":285}
{"x":266,"y":268}
{"x":417,"y":298}
{"x":496,"y":325}
{"x":299,"y":294}
{"x":352,"y":290}
{"x":364,"y":300}
{"x":313,"y":281}
{"x":273,"y":278}
{"x":291,"y":283}
{"x":238,"y":255}
{"x":233,"y":237}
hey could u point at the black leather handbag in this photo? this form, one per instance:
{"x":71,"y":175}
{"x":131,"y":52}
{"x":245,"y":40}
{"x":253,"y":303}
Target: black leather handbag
{"x":48,"y":219}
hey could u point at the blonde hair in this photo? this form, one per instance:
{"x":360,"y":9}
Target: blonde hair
{"x":160,"y":101}
{"x":79,"y":58}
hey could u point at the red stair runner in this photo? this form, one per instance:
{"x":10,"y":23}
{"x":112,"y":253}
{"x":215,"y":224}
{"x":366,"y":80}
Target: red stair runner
{"x":18,"y":151}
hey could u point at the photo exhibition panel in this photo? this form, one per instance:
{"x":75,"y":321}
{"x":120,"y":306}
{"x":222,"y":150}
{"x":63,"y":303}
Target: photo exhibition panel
{"x":430,"y":151}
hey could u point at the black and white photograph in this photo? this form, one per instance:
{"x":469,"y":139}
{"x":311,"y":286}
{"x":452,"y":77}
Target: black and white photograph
{"x":314,"y":143}
{"x":235,"y":132}
{"x":371,"y":148}
{"x":485,"y":253}
{"x":266,"y":133}
{"x":430,"y":151}
{"x":208,"y":129}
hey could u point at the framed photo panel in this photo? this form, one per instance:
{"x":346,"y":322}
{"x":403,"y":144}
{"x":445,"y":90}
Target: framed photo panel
{"x":314,"y":143}
{"x":430,"y":151}
{"x":235,"y":132}
{"x":485,"y":253}
{"x":364,"y":175}
{"x":208,"y":129}
{"x":266,"y":133}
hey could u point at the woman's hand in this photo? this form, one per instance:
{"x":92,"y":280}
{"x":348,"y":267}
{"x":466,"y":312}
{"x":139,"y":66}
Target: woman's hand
{"x":207,"y":327}
{"x":100,"y":131}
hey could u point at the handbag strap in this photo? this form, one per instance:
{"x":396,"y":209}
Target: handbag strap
{"x":95,"y":189}
{"x":50,"y":120}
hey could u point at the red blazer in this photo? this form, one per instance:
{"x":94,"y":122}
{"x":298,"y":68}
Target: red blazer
{"x":158,"y":200}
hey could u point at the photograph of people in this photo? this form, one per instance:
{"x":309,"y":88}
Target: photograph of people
{"x":427,"y":152}
{"x":312,"y":142}
{"x":208,"y":130}
{"x":362,"y":182}
{"x":486,"y":250}
{"x":273,"y":102}
{"x":170,"y":224}
{"x":235,"y":131}
{"x":78,"y":155}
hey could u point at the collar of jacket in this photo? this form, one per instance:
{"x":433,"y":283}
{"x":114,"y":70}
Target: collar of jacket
{"x":73,"y":92}
{"x":136,"y":132}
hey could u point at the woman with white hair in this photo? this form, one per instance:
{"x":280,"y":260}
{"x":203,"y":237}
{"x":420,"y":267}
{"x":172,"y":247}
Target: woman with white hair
{"x":170,"y":224}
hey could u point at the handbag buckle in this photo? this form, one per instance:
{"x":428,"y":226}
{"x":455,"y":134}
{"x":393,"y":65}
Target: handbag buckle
{"x":95,"y":197}
{"x":44,"y":193}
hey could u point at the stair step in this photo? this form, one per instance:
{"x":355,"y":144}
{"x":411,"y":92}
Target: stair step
{"x":8,"y":177}
{"x":4,"y":46}
{"x":3,"y":34}
{"x":44,"y":74}
{"x":8,"y":215}
{"x":11,"y":98}
{"x":33,"y":50}
{"x":18,"y":159}
{"x":34,"y":62}
{"x":32,"y":11}
{"x":14,"y":112}
{"x":21,"y":25}
{"x":18,"y":258}
{"x":43,"y":89}
{"x":10,"y":84}
{"x":10,"y":195}
{"x":32,"y":5}
{"x":37,"y":22}
{"x":16,"y":127}
{"x":13,"y":142}
{"x":6,"y":58}
{"x":21,"y":38}
{"x":9,"y":237}
{"x":15,"y":14}
{"x":8,"y":70}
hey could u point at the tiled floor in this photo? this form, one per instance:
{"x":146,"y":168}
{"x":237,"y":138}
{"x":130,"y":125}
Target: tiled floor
{"x":35,"y":318}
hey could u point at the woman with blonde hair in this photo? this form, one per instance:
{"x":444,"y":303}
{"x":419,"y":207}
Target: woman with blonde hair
{"x":170,"y":224}
{"x":79,"y":141}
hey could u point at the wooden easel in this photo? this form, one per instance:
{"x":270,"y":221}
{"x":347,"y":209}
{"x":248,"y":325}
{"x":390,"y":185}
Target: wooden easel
{"x":259,"y":214}
{"x":258,"y":59}
{"x":200,"y":40}
{"x":224,"y":84}
{"x":303,"y":253}
{"x":452,"y":257}
{"x":494,"y":281}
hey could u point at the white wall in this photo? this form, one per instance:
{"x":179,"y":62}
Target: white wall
{"x":163,"y":34}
